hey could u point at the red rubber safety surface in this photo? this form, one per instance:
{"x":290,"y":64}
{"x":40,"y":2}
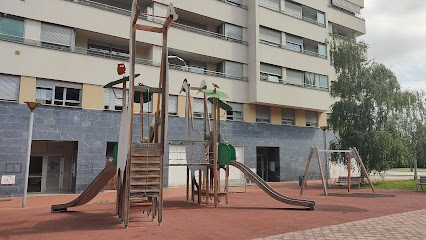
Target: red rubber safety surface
{"x":248,"y":215}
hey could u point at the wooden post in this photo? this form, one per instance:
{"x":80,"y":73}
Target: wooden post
{"x":349,"y":172}
{"x":227,"y":185}
{"x":215,"y":150}
{"x":306,"y":170}
{"x":187,"y":183}
{"x":363,"y":168}
{"x":321,"y":172}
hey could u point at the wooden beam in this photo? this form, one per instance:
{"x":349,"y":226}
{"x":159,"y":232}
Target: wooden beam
{"x":363,"y":169}
{"x":349,"y":171}
{"x":306,"y":170}
{"x":149,"y":28}
{"x":321,"y":172}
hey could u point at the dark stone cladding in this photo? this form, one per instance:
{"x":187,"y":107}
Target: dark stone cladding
{"x":92,"y":129}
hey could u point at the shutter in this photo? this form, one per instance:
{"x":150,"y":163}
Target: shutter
{"x":107,"y":97}
{"x":262,"y":112}
{"x":9,"y":87}
{"x":56,"y":34}
{"x":236,"y":107}
{"x":270,"y":35}
{"x":238,"y":2}
{"x":117,"y":95}
{"x":45,"y":83}
{"x":287,"y":113}
{"x":294,"y":39}
{"x":233,"y":31}
{"x":351,"y":7}
{"x":234,"y":69}
{"x":173,"y":104}
{"x":293,"y":8}
{"x":198,"y":105}
{"x":311,"y":117}
{"x":274,"y":4}
{"x":294,"y":76}
{"x":147,"y":107}
{"x":271,"y":69}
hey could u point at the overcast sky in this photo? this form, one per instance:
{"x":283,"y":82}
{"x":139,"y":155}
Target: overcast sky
{"x":396,"y":34}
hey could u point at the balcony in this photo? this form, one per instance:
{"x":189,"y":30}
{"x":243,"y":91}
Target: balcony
{"x":277,"y":80}
{"x":301,"y":16}
{"x":126,"y":12}
{"x":346,"y":7}
{"x":293,"y":48}
{"x":234,"y":3}
{"x":114,"y":56}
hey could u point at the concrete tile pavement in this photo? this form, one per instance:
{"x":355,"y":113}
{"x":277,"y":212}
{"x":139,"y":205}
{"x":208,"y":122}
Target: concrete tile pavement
{"x":408,"y":225}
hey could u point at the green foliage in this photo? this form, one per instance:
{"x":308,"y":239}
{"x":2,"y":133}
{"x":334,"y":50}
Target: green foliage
{"x":367,"y":112}
{"x":397,"y":184}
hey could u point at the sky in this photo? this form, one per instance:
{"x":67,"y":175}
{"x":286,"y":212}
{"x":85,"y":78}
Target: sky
{"x":396,"y":35}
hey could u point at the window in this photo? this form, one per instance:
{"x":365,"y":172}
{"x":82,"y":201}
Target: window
{"x":113,"y":99}
{"x":236,"y":114}
{"x":272,"y":4}
{"x":316,"y":80}
{"x":58,"y":93}
{"x":263,"y":114}
{"x":346,"y":5}
{"x":322,"y":50}
{"x":270,"y":73}
{"x":198,"y":108}
{"x":107,"y":50}
{"x":294,"y":43}
{"x":287,"y":116}
{"x":231,"y":30}
{"x":11,"y":27}
{"x":293,"y":9}
{"x":173,"y":105}
{"x":270,"y":36}
{"x":57,"y":37}
{"x":321,"y":18}
{"x":294,"y":76}
{"x":311,"y":119}
{"x":9,"y":87}
{"x":232,"y":69}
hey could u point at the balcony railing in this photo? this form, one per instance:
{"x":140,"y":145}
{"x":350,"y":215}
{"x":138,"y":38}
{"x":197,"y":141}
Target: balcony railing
{"x":303,"y":51}
{"x":309,"y":20}
{"x":156,"y":20}
{"x":298,"y":84}
{"x":121,"y":57}
{"x":234,"y":4}
{"x":345,"y":11}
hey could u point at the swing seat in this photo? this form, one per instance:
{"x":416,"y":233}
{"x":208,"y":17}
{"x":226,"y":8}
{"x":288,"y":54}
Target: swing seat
{"x":343,"y":180}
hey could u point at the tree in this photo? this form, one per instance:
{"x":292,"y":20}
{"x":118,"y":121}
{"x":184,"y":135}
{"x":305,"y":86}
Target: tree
{"x":367,"y":111}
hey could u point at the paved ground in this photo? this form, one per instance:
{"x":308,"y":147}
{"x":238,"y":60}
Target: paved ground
{"x":409,"y":225}
{"x":248,"y":215}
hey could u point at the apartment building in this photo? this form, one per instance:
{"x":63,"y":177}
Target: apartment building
{"x":270,"y":56}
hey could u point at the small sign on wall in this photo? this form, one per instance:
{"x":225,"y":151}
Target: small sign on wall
{"x":7,"y":179}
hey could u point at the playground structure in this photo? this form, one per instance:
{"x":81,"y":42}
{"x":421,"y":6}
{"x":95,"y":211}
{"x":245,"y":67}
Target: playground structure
{"x":351,"y":153}
{"x":139,"y":165}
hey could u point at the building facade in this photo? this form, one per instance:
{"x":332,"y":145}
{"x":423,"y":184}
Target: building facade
{"x":270,"y":56}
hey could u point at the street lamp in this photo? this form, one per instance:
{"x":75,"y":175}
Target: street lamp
{"x":324,"y":128}
{"x":31,"y":106}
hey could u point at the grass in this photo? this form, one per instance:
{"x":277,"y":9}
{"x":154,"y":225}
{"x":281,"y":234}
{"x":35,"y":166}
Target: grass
{"x":396,"y":184}
{"x":398,"y":169}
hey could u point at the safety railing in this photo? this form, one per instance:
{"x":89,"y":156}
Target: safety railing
{"x":299,"y":50}
{"x":110,"y":55}
{"x":156,"y":20}
{"x":293,"y":83}
{"x":309,"y":20}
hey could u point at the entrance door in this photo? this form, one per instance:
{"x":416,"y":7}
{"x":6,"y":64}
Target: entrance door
{"x":262,"y":166}
{"x":54,"y":174}
{"x":235,"y":173}
{"x":36,"y":174}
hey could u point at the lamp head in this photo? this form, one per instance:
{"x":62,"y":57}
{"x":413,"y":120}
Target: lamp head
{"x":324,"y":128}
{"x":32,"y":105}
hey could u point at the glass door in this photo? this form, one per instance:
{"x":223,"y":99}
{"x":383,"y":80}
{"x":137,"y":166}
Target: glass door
{"x":36,"y":174}
{"x":53,"y":173}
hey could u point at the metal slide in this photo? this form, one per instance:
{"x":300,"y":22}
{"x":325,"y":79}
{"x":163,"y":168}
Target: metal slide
{"x":91,"y":191}
{"x":269,"y":190}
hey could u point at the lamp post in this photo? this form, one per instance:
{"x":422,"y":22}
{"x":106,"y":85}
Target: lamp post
{"x":324,"y":128}
{"x":31,"y":106}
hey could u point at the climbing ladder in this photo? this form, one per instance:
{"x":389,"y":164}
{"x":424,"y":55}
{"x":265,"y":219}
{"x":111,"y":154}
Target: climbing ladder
{"x":145,"y":176}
